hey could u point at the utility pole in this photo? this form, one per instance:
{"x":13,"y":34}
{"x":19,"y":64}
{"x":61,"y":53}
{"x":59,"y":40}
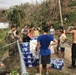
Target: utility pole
{"x":60,"y":13}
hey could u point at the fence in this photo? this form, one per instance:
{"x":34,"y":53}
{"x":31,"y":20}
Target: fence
{"x":22,"y":64}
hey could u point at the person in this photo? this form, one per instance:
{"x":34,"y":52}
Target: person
{"x":3,"y":67}
{"x":62,"y":41}
{"x":24,"y":31}
{"x":17,"y":37}
{"x":62,"y":29}
{"x":1,"y":63}
{"x":10,"y":38}
{"x":72,"y":31}
{"x":43,"y":44}
{"x":36,"y":32}
{"x":52,"y":31}
{"x":30,"y":34}
{"x":58,"y":33}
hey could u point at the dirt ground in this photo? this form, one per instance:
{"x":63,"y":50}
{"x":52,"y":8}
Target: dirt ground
{"x":67,"y":60}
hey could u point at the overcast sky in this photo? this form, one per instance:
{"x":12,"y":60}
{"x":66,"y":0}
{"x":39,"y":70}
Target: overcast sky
{"x":8,"y":3}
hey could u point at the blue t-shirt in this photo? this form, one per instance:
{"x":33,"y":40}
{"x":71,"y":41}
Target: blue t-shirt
{"x":44,"y":44}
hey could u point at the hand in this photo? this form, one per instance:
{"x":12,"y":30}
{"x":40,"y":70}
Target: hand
{"x":70,"y":27}
{"x":37,"y":52}
{"x":2,"y":65}
{"x":49,"y":46}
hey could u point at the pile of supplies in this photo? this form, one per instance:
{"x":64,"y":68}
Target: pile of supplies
{"x":32,"y":59}
{"x":29,"y":53}
{"x":57,"y":63}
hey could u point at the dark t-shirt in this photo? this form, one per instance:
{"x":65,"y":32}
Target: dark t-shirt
{"x":25,"y":31}
{"x":44,"y":44}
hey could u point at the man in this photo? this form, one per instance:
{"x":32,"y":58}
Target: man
{"x":73,"y":32}
{"x":10,"y":38}
{"x":11,"y":34}
{"x":44,"y":47}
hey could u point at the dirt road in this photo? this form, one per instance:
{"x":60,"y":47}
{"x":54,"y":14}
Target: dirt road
{"x":68,"y":60}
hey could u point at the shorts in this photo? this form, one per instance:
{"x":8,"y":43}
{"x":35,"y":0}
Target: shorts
{"x":45,"y":59}
{"x":62,"y":49}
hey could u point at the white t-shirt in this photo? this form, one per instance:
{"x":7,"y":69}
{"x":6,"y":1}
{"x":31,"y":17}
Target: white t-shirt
{"x":52,"y":32}
{"x":62,"y":40}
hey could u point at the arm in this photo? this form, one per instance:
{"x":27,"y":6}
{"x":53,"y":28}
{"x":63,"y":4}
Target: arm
{"x":20,"y":39}
{"x":12,"y":36}
{"x":70,"y":31}
{"x":22,"y":31}
{"x":54,"y":42}
{"x":38,"y":46}
{"x":64,"y":38}
{"x":54,"y":32}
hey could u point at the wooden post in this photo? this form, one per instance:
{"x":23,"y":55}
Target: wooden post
{"x":60,"y":13}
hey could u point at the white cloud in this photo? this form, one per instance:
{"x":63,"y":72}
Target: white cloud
{"x":8,"y":3}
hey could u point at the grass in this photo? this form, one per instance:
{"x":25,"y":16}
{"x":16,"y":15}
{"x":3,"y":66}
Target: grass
{"x":2,"y":40}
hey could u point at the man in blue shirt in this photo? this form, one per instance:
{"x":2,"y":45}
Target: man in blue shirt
{"x":44,"y":46}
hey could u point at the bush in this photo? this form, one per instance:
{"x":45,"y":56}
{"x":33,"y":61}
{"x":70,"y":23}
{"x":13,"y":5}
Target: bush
{"x":2,"y":40}
{"x":72,"y":3}
{"x":72,"y":16}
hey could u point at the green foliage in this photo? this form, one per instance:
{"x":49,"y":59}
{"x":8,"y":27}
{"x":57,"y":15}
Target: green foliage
{"x":72,"y":3}
{"x":15,"y":15}
{"x":32,"y":15}
{"x":72,"y":17}
{"x":57,"y":25}
{"x":2,"y":40}
{"x":14,"y":72}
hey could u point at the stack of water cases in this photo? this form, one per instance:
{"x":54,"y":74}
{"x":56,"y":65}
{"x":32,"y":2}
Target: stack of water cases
{"x":30,"y":58}
{"x":57,"y":63}
{"x":36,"y":62}
{"x":27,"y":55}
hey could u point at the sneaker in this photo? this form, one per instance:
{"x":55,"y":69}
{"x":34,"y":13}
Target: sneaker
{"x":71,"y":67}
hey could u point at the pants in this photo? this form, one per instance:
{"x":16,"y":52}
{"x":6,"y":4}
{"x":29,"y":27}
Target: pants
{"x":73,"y":54}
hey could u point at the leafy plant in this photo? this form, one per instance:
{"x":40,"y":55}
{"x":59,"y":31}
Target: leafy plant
{"x":15,"y":15}
{"x":72,"y":3}
{"x":72,"y":16}
{"x":14,"y":72}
